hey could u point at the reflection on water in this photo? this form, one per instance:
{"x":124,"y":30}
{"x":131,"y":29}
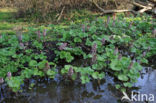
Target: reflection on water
{"x":147,"y":82}
{"x":60,"y":92}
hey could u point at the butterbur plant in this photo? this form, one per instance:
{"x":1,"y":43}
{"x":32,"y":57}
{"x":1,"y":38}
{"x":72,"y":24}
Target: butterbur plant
{"x":144,"y":54}
{"x":120,"y":56}
{"x":20,"y":38}
{"x":88,"y":27}
{"x":116,"y":50}
{"x":9,"y":75}
{"x":108,"y":20}
{"x":100,"y":49}
{"x":1,"y":80}
{"x":94,"y":47}
{"x":70,"y":72}
{"x":113,"y":24}
{"x":38,"y":34}
{"x":131,"y":64}
{"x":114,"y":16}
{"x":103,"y":41}
{"x":94,"y":58}
{"x":44,"y":32}
{"x":47,"y":66}
{"x":83,"y":28}
{"x":22,"y":45}
{"x":62,"y":46}
{"x":154,"y":32}
{"x":130,"y":25}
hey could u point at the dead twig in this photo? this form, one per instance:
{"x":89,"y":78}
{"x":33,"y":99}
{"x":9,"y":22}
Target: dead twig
{"x":109,"y":11}
{"x":144,"y":8}
{"x":137,"y":4}
{"x":59,"y":18}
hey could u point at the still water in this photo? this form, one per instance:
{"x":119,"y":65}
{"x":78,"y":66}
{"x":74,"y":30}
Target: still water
{"x":57,"y":91}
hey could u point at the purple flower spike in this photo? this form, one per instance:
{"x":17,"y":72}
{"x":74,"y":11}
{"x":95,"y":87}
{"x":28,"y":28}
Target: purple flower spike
{"x":138,"y":61}
{"x":38,"y":33}
{"x":63,"y":46}
{"x":130,"y":25}
{"x":22,"y":45}
{"x":1,"y":80}
{"x":0,"y":36}
{"x":149,"y":48}
{"x":9,"y":75}
{"x":83,"y":28}
{"x":103,"y":41}
{"x":154,"y":31}
{"x":88,"y":27}
{"x":94,"y":58}
{"x":47,"y":67}
{"x":116,"y":50}
{"x":71,"y":71}
{"x":120,"y":56}
{"x":20,"y":38}
{"x":131,"y":64}
{"x":114,"y":16}
{"x":94,"y":47}
{"x":44,"y":32}
{"x":113,"y":23}
{"x":108,"y":20}
{"x":144,"y":54}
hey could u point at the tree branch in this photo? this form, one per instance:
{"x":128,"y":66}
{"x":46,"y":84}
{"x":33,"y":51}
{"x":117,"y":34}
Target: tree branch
{"x":60,"y":14}
{"x":109,"y":11}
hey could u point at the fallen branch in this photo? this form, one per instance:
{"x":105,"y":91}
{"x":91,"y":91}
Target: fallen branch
{"x":59,"y":18}
{"x":137,"y":4}
{"x":109,"y":11}
{"x":145,"y":8}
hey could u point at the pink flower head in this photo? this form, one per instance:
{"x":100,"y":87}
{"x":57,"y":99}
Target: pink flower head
{"x":1,"y":80}
{"x":9,"y":75}
{"x":63,"y":46}
{"x":44,"y":32}
{"x":94,"y":47}
{"x":103,"y":41}
{"x":71,"y":71}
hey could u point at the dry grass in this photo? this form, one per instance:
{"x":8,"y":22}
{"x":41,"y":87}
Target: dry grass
{"x":45,"y":6}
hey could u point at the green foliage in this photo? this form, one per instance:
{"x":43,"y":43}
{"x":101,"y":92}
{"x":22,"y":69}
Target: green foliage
{"x":116,"y":47}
